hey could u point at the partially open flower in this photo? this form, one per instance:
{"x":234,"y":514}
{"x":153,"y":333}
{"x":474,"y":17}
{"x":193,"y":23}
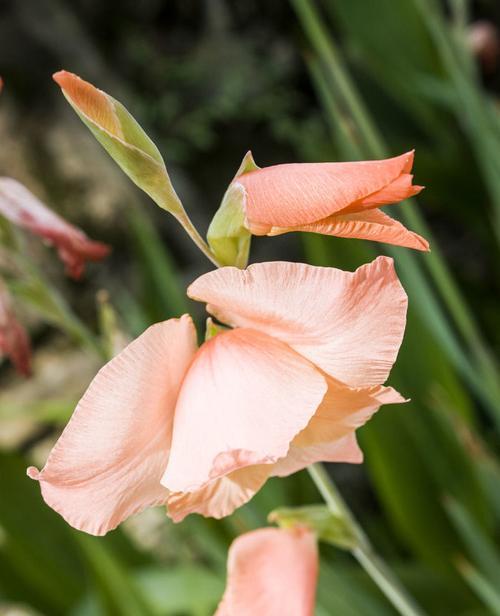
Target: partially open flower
{"x":203,"y":429}
{"x":22,"y":208}
{"x":341,"y":199}
{"x":271,"y":571}
{"x":14,"y":341}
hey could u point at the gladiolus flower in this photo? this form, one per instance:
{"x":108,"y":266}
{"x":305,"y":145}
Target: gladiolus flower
{"x":14,"y":340}
{"x":201,"y":430}
{"x":22,"y":208}
{"x":341,"y":199}
{"x":270,"y":572}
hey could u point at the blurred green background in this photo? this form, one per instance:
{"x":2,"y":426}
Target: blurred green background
{"x":306,"y":80}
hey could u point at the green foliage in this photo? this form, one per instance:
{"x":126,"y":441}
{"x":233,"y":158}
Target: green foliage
{"x":42,"y":568}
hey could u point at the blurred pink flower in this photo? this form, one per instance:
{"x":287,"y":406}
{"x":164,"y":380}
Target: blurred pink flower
{"x":270,"y":572}
{"x":22,"y":208}
{"x":14,"y":341}
{"x":202,"y":430}
{"x":484,"y":41}
{"x":341,"y":199}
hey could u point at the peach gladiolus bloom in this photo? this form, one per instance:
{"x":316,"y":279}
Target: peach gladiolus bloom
{"x":201,"y":430}
{"x":14,"y":340}
{"x":21,"y":207}
{"x":341,"y":199}
{"x":271,"y":572}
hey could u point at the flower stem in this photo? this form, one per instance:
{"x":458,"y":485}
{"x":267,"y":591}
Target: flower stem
{"x":191,"y":230}
{"x":364,"y":553}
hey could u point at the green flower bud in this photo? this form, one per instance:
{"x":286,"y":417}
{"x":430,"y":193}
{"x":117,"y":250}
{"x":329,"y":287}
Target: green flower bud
{"x":227,"y":235}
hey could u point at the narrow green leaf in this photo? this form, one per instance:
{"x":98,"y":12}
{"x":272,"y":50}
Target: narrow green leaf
{"x":39,"y":562}
{"x":481,"y":586}
{"x":42,"y":296}
{"x":163,"y":289}
{"x":118,"y":592}
{"x":481,"y":548}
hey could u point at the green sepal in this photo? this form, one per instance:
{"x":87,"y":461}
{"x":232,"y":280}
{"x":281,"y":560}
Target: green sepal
{"x":227,"y":235}
{"x":213,"y":329}
{"x":328,"y":527}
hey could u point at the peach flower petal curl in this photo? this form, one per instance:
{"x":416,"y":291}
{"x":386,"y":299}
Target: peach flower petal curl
{"x":340,"y":199}
{"x":201,"y":430}
{"x":349,"y":324}
{"x":271,"y":572}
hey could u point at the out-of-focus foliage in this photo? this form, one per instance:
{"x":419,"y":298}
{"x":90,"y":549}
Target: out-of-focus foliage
{"x":305,"y":80}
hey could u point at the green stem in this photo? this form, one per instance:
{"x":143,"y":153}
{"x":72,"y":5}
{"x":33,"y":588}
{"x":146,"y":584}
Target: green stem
{"x":364,"y":553}
{"x":191,"y":230}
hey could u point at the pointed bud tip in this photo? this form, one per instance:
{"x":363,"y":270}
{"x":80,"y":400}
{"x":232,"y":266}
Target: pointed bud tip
{"x":74,"y":86}
{"x":62,"y":78}
{"x":88,"y":100}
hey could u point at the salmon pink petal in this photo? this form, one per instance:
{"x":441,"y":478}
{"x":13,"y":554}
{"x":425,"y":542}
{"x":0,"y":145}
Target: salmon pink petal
{"x":22,"y":208}
{"x":330,"y":435}
{"x":220,"y":497}
{"x":364,"y":225}
{"x":14,"y":340}
{"x":344,"y":410}
{"x":291,"y":195}
{"x":108,"y":462}
{"x":270,"y":572}
{"x":244,"y":398}
{"x":345,"y":449}
{"x":349,"y":324}
{"x":398,"y":190}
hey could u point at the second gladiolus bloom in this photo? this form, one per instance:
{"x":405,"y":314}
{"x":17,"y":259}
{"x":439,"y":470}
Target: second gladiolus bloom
{"x":341,"y":199}
{"x":300,"y":367}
